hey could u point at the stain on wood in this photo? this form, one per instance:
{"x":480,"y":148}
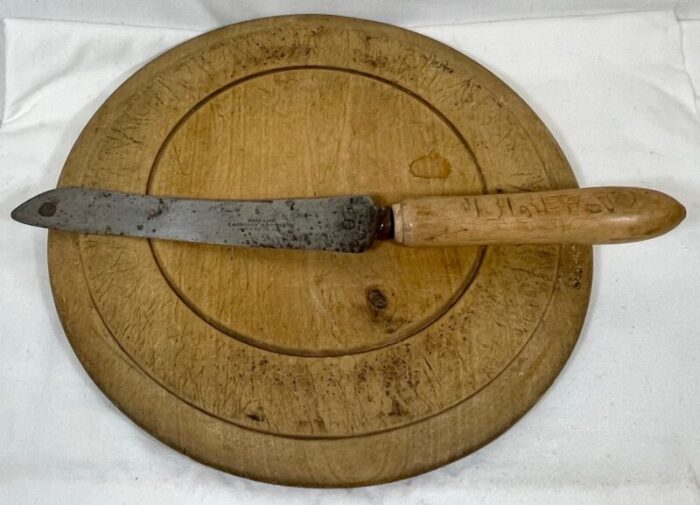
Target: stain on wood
{"x":304,"y":368}
{"x":431,"y":166}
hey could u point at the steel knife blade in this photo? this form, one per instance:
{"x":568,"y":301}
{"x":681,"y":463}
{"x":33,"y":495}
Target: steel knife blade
{"x":343,"y":224}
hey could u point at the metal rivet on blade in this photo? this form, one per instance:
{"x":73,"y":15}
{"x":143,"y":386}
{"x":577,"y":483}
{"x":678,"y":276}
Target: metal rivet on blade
{"x":47,"y":209}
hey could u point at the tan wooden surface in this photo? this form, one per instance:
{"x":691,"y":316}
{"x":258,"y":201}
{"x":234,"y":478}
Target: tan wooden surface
{"x":604,"y":215}
{"x":313,"y":368}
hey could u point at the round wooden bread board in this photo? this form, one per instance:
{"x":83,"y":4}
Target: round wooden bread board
{"x":316,"y":368}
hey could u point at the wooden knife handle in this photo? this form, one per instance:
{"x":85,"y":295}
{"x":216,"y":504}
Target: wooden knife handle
{"x":603,"y":215}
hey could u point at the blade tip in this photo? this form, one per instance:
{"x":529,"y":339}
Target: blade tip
{"x":18,"y":214}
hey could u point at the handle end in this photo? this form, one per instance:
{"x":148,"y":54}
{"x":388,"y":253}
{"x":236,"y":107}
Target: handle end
{"x":662,"y":213}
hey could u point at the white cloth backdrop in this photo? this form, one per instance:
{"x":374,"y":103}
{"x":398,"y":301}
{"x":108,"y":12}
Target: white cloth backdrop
{"x":621,"y":422}
{"x":208,"y":14}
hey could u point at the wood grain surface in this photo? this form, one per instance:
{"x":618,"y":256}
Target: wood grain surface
{"x":603,"y":215}
{"x":315,"y":368}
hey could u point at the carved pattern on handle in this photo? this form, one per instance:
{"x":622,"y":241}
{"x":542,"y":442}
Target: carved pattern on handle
{"x":584,"y":216}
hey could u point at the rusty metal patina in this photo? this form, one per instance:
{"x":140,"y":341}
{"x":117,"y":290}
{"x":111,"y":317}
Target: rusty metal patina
{"x":342,"y":224}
